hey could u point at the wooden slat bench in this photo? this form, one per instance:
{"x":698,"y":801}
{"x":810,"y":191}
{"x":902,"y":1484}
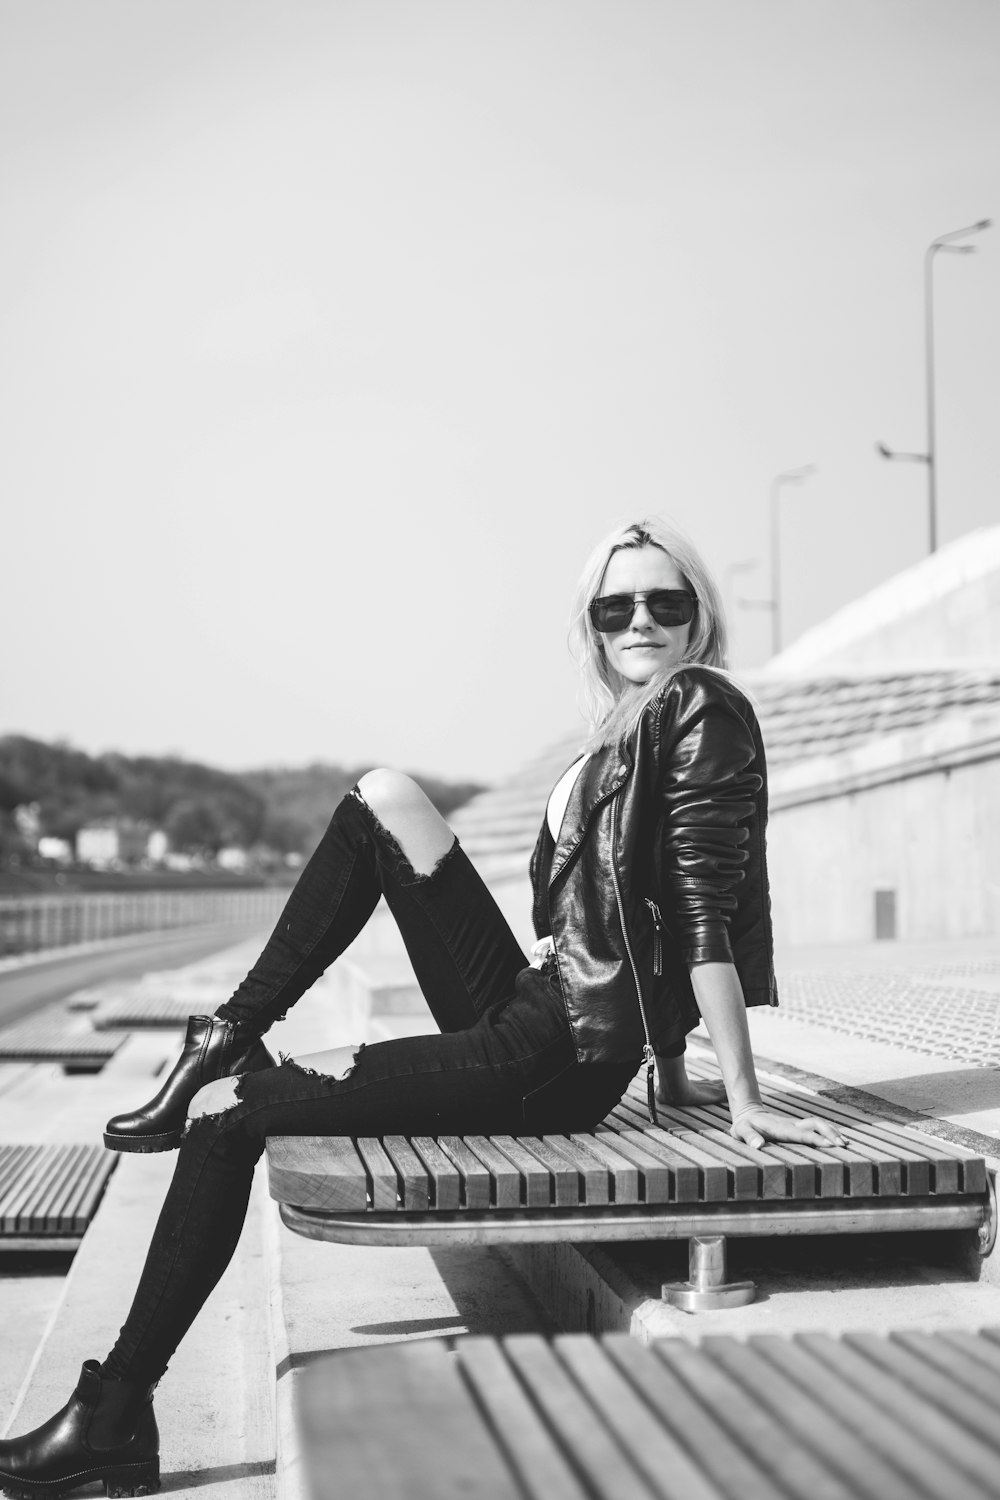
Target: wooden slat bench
{"x":813,"y":1417}
{"x":133,"y":1011}
{"x":683,"y":1179}
{"x":49,"y":1194}
{"x":59,"y":1039}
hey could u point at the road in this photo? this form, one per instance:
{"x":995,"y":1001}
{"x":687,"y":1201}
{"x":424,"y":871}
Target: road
{"x":45,"y":980}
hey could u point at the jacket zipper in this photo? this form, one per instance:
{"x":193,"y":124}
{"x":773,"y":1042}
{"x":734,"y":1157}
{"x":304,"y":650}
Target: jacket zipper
{"x":649,"y":1056}
{"x":657,"y":935}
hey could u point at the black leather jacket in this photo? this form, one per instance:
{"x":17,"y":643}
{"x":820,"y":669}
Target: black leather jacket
{"x":660,"y":865}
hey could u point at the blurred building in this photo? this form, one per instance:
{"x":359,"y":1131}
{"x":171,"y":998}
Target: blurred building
{"x":115,"y":842}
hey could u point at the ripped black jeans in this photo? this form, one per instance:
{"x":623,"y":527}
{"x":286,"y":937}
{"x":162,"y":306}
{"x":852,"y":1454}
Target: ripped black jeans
{"x":503,"y":1063}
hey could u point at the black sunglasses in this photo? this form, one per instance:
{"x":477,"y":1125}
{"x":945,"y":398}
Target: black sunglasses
{"x":667,"y":607}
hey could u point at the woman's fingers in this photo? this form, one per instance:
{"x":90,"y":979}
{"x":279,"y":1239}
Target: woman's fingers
{"x":763,"y":1125}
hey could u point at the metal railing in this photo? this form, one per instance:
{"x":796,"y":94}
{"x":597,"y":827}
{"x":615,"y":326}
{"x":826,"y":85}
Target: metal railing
{"x":31,"y":924}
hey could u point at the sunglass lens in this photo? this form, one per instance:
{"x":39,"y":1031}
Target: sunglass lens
{"x":613,"y":612}
{"x":670,"y":606}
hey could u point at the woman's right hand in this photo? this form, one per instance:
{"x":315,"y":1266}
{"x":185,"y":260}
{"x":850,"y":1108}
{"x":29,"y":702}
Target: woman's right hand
{"x":756,"y":1127}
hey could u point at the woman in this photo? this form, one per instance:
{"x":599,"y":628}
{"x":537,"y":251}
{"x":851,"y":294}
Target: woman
{"x":651,"y":908}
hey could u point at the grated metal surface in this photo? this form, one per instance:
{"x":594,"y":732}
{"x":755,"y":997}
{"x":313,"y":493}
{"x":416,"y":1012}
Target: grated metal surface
{"x":946,"y":1010}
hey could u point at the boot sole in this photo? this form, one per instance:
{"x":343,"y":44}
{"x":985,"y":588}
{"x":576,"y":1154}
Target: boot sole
{"x":143,"y":1142}
{"x":120,"y":1481}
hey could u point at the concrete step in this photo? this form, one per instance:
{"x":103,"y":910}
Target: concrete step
{"x":215,"y":1405}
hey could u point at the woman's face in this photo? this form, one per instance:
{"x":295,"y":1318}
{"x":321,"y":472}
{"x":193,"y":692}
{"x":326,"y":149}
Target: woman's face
{"x":643,"y":648}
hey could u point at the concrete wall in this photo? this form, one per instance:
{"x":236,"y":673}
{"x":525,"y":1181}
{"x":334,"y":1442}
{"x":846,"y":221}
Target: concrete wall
{"x":933,"y":839}
{"x":962,"y":624}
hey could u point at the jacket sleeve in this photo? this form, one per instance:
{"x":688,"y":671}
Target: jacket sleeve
{"x":707,"y":792}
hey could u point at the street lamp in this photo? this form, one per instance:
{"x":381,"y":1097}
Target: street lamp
{"x":943,"y":242}
{"x":788,"y":476}
{"x":729,"y":588}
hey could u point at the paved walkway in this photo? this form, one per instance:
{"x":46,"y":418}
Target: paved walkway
{"x":915,"y":1024}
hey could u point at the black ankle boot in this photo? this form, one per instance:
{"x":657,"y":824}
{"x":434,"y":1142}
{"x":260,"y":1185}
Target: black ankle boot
{"x":105,"y":1431}
{"x":213,"y":1048}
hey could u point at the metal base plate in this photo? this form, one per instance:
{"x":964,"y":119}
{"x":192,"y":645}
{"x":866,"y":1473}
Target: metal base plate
{"x":691,"y":1298}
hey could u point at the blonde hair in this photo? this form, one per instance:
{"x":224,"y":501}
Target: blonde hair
{"x":612,"y":705}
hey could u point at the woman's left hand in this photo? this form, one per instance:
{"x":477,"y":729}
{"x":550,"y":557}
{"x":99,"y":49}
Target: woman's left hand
{"x":758,"y":1126}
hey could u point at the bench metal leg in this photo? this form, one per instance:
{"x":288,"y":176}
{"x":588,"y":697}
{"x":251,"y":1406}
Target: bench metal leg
{"x":707,"y":1286}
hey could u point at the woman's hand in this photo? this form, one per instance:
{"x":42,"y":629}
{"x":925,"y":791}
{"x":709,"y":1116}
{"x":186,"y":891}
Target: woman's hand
{"x":689,"y":1094}
{"x":757,"y":1126}
{"x":674,"y":1087}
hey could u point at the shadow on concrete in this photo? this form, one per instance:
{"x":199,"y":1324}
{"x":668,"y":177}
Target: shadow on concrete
{"x":959,"y":1091}
{"x":195,"y":1479}
{"x":404,"y":1328}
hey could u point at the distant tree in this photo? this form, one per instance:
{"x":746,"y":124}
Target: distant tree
{"x":193,"y":826}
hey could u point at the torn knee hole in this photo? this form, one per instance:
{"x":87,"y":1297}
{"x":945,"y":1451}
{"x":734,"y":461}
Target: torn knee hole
{"x":339,"y":1063}
{"x":214,"y":1100}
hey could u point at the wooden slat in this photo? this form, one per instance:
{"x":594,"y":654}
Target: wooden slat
{"x":655,"y":1451}
{"x":716,"y":1178}
{"x":475,"y":1178}
{"x":915,"y":1175}
{"x":773,"y":1179}
{"x":906,"y":1405}
{"x":918,"y":1462}
{"x":576,"y":1418}
{"x":792,"y":1468}
{"x":82,"y":1204}
{"x":567,"y":1179}
{"x":504,"y":1178}
{"x":42,"y":1212}
{"x":414,"y":1185}
{"x":661,"y":1179}
{"x":811,"y":1172}
{"x":806,"y":1415}
{"x":383,"y":1185}
{"x":723,"y":1460}
{"x":623,"y":1174}
{"x":51,"y":1190}
{"x":30,"y":1180}
{"x":975,"y":1346}
{"x":442,"y":1172}
{"x":595,"y":1179}
{"x":529,"y":1448}
{"x":954,"y":1168}
{"x":907,"y":1367}
{"x":958,"y":1364}
{"x":536,"y":1177}
{"x":610,"y":1470}
{"x":322,"y":1173}
{"x":398,"y":1420}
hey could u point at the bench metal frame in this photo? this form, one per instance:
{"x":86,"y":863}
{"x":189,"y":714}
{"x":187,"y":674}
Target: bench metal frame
{"x":704,"y":1225}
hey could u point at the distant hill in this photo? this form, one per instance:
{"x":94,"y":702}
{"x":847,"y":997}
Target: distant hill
{"x":299,"y":801}
{"x":202,"y":808}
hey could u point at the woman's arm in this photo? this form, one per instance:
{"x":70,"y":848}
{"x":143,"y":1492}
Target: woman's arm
{"x":719,"y":995}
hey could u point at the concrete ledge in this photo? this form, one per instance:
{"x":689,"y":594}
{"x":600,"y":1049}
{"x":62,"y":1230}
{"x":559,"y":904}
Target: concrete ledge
{"x":878,"y":1281}
{"x":214,"y":1406}
{"x":326,"y":1297}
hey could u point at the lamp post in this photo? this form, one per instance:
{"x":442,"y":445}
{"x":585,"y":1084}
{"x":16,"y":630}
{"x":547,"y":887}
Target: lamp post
{"x":730,"y":585}
{"x":943,"y":242}
{"x":788,"y":476}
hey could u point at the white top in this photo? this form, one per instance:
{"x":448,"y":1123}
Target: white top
{"x":560,"y":795}
{"x":554,"y":813}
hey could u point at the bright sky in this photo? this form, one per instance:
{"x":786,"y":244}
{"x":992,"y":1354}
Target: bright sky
{"x":334,"y":333}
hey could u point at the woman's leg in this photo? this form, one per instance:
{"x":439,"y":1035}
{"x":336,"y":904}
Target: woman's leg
{"x":470,"y":1077}
{"x":445,"y":1083}
{"x":464,"y":954}
{"x":386,"y":838}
